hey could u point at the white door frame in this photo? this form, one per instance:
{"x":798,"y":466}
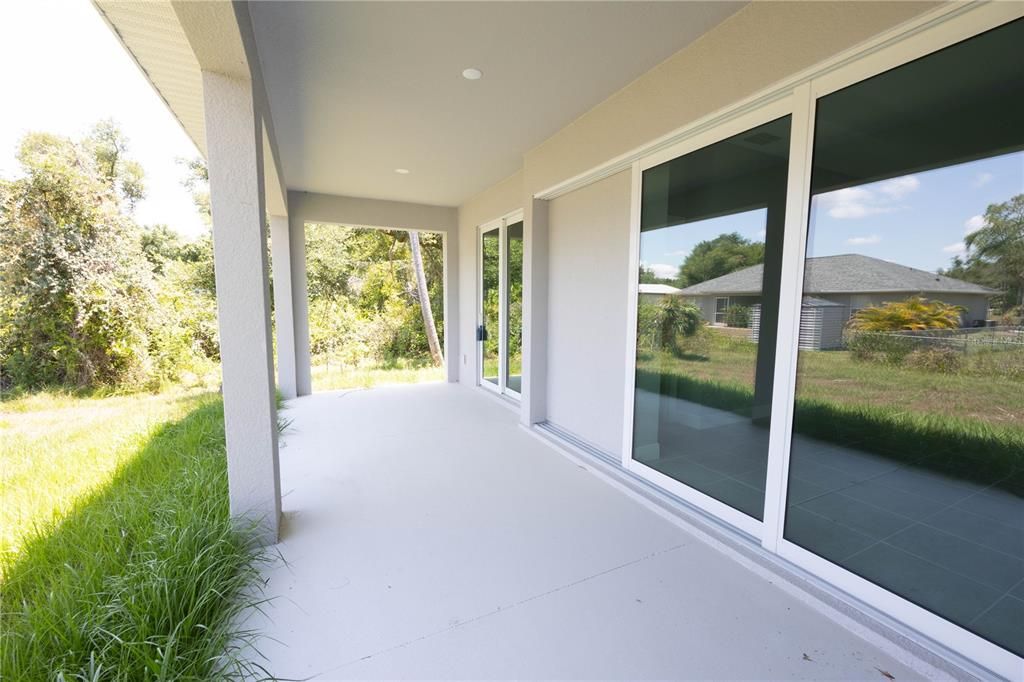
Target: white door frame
{"x":501,"y":225}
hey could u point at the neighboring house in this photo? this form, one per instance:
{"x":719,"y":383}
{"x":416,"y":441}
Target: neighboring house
{"x":656,"y":293}
{"x":852,"y":281}
{"x":584,"y":129}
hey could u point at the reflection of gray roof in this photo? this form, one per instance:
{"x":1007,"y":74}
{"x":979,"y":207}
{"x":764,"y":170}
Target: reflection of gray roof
{"x":646,"y":288}
{"x":845,"y":274}
{"x":812,"y":302}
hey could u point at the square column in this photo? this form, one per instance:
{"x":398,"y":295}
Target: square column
{"x":234,"y":142}
{"x":533,"y":408}
{"x":300,"y":305}
{"x":284,"y":317}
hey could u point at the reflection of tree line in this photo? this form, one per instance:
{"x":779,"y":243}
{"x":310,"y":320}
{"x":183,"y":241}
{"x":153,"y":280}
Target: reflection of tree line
{"x":994,"y":258}
{"x":492,"y":295}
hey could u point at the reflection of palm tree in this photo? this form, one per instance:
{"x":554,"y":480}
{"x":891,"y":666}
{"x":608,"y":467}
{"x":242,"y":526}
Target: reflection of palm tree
{"x":1001,"y":242}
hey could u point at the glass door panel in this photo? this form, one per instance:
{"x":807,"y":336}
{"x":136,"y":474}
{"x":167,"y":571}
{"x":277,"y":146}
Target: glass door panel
{"x":514,"y":307}
{"x":489,"y":331}
{"x":711,"y":228}
{"x":906,"y":463}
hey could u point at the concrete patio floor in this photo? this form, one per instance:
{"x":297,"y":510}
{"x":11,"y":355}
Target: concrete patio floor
{"x":427,"y":535}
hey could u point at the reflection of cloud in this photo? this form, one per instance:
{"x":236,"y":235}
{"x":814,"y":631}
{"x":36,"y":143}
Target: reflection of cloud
{"x":982,"y":179}
{"x":663,"y":270}
{"x":860,"y":241}
{"x":958,"y":249}
{"x":859,"y":202}
{"x":897,"y":188}
{"x":974,"y":223}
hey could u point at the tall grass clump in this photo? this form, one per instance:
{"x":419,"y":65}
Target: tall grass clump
{"x":145,"y":579}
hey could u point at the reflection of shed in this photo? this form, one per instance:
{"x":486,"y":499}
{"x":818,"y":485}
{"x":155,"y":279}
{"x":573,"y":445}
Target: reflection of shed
{"x":821,"y":323}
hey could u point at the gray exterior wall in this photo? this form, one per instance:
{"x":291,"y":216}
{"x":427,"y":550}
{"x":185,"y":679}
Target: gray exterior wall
{"x":677,"y":92}
{"x":587,"y":301}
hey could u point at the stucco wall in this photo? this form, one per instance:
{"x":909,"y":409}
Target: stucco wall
{"x":760,"y":45}
{"x":588,"y":242}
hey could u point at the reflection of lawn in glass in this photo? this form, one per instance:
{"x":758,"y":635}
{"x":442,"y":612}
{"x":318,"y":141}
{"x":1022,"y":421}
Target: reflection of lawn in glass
{"x":903,"y":413}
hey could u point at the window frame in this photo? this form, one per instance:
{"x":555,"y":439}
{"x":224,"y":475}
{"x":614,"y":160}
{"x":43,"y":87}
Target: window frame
{"x":799,"y":100}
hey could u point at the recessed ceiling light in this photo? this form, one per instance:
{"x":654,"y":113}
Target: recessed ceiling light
{"x":402,"y":171}
{"x":472,"y":74}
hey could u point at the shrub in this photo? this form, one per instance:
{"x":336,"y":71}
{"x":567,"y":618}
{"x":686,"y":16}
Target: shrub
{"x":676,"y":319}
{"x":941,"y":360}
{"x":879,"y":347}
{"x":737,"y":316}
{"x":912,"y":314}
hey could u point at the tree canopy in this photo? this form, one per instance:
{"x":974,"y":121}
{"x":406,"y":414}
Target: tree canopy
{"x":88,"y":298}
{"x":719,"y":256}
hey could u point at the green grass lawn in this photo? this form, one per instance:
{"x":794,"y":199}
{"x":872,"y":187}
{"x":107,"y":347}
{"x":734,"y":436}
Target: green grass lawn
{"x":330,"y":377}
{"x":119,"y":560}
{"x":963,"y":424}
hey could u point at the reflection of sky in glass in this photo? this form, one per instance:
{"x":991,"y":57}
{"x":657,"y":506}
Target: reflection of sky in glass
{"x":665,"y":250}
{"x":918,"y":220}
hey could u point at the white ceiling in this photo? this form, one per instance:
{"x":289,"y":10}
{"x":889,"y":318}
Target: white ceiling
{"x":358,"y":89}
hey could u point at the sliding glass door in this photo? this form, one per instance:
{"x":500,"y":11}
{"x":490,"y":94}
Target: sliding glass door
{"x":500,"y":309}
{"x":829,"y":349}
{"x":907,"y":456}
{"x":712,"y":220}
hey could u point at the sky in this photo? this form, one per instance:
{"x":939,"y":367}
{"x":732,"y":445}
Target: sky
{"x":64,"y":70}
{"x":918,"y":220}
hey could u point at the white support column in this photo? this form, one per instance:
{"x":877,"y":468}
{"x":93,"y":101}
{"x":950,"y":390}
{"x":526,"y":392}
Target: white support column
{"x":450,"y":242}
{"x":533,"y":407}
{"x":300,"y":305}
{"x":283,"y":316}
{"x":234,"y":144}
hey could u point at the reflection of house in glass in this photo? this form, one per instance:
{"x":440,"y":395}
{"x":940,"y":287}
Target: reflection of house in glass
{"x":837,"y":286}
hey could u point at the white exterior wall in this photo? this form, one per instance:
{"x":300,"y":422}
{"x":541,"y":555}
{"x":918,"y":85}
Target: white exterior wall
{"x":588,"y":256}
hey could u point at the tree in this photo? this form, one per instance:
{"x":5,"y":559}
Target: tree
{"x":109,"y":148}
{"x":999,"y":247}
{"x":76,"y":290}
{"x":719,"y":256}
{"x":424,"y":297}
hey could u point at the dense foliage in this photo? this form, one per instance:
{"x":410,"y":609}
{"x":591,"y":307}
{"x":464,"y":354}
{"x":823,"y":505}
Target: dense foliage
{"x":88,"y":298}
{"x":995,"y":256}
{"x":363,"y":299}
{"x":719,"y":256}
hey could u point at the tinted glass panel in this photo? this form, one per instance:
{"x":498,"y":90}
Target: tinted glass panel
{"x":514,"y":312}
{"x":710,"y":241}
{"x":491,"y":300}
{"x":909,"y":421}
